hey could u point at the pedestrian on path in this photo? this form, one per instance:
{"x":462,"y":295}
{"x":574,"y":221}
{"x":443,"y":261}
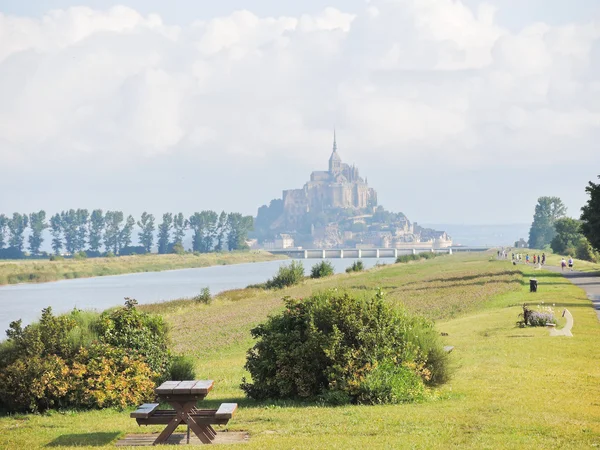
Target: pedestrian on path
{"x":571,"y":263}
{"x":563,"y":264}
{"x":543,"y":259}
{"x":527,"y":258}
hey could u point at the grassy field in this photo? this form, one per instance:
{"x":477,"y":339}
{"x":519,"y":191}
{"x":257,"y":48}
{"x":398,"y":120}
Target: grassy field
{"x":39,"y":271}
{"x":512,"y":387}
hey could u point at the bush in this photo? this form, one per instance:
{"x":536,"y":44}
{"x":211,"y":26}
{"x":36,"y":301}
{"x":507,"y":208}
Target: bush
{"x":535,"y":318}
{"x":130,"y":328}
{"x":586,"y":252}
{"x":322,"y":269}
{"x":132,"y":250}
{"x":287,"y":276}
{"x":407,"y":258}
{"x":357,"y":266}
{"x":204,"y":296}
{"x":183,"y":368}
{"x":177,"y":248}
{"x":332,"y":342}
{"x":57,"y":258}
{"x":80,"y":255}
{"x":110,"y":254}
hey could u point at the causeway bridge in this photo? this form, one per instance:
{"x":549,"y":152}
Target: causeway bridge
{"x":328,"y":253}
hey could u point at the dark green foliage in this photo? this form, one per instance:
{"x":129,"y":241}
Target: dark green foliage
{"x":11,"y":253}
{"x":16,"y":228}
{"x":96,"y":229}
{"x":182,"y":368}
{"x":333,"y":342}
{"x":132,"y":329}
{"x":57,"y":234}
{"x":568,"y":235}
{"x":132,"y":250}
{"x":146,"y":234}
{"x":113,"y":231}
{"x":3,"y":230}
{"x":322,"y":269}
{"x":287,"y":276}
{"x":80,"y":255}
{"x":547,"y":211}
{"x":37,"y":223}
{"x":177,"y":248}
{"x":74,"y":225}
{"x":204,"y":296}
{"x":180,"y":224}
{"x":164,"y":233}
{"x":585,"y":251}
{"x":238,"y":227}
{"x":417,"y":257}
{"x":357,"y":266}
{"x":56,"y":258}
{"x":206,"y":227}
{"x":125,"y":234}
{"x":590,"y":216}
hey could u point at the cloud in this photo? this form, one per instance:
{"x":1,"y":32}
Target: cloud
{"x":403,"y":80}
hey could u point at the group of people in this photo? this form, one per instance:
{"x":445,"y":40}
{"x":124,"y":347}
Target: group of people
{"x":536,"y":259}
{"x":564,"y":263}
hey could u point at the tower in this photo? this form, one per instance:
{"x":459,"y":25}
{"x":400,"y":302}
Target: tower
{"x":335,"y":162}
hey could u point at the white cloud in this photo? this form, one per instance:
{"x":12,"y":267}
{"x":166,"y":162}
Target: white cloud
{"x":402,"y":80}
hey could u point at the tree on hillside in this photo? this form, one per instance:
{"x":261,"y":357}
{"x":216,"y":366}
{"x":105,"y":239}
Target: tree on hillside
{"x":146,"y":234}
{"x":164,"y":233}
{"x":125,"y":235}
{"x":96,"y":229}
{"x":16,"y":227}
{"x":3,"y":228}
{"x":56,"y":231}
{"x":590,"y":216}
{"x":568,"y":235}
{"x":547,"y":211}
{"x":238,"y":227}
{"x":221,"y":231}
{"x":179,"y":226}
{"x":37,"y":223}
{"x":112,"y":232}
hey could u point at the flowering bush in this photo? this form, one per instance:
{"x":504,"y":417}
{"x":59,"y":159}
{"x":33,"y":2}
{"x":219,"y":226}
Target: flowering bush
{"x":536,"y":318}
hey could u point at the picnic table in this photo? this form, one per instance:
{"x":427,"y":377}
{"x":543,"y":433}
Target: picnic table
{"x":183,"y":396}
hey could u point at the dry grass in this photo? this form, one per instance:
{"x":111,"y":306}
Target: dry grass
{"x":39,"y":271}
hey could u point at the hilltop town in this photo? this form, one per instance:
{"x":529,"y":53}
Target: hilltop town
{"x":336,"y":208}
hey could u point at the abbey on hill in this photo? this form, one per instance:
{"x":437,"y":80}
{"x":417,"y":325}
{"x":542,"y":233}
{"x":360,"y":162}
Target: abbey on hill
{"x":337,"y":208}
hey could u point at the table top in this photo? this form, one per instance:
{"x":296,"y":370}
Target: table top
{"x":192,"y":387}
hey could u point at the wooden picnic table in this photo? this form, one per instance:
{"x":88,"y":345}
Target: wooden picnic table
{"x":183,"y":397}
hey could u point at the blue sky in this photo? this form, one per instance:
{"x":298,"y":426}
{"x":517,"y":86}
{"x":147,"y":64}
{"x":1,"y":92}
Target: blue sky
{"x":457,"y":111}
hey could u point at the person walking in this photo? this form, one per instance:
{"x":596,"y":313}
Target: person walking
{"x":527,"y":258}
{"x":563,"y":264}
{"x":543,"y":259}
{"x":571,"y":263}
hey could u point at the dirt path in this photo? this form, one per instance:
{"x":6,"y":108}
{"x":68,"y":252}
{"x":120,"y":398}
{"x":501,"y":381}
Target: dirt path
{"x":586,"y":281}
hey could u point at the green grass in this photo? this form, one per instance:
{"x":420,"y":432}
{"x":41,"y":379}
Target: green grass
{"x":40,"y":271}
{"x":512,"y":387}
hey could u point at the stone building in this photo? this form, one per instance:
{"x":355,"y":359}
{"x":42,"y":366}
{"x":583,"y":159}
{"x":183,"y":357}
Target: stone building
{"x":339,"y":187}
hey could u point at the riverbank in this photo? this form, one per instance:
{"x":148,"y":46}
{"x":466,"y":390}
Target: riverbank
{"x":512,"y":387}
{"x":41,"y":271}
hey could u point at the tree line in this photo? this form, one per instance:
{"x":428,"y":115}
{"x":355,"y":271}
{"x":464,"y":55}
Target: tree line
{"x":78,"y":230}
{"x":564,"y":235}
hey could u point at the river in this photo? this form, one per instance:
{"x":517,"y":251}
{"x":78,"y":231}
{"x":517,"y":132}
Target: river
{"x":25,"y":301}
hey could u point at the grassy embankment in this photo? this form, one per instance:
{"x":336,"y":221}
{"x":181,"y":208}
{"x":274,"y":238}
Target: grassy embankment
{"x":512,"y":387}
{"x":40,"y":271}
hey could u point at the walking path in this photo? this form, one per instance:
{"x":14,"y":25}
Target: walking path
{"x":586,"y":281}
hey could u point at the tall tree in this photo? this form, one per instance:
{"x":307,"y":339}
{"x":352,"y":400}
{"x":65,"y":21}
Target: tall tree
{"x":198,"y":225}
{"x":82,"y":220}
{"x":125,"y":236}
{"x":96,"y":229}
{"x":3,"y":228}
{"x":547,"y":211}
{"x":179,"y":226}
{"x":16,"y":227}
{"x":238,"y":227}
{"x":56,"y":231}
{"x":68,"y":220}
{"x":590,"y":216}
{"x":146,"y":234}
{"x":221,"y":231}
{"x":37,"y":223}
{"x":164,"y":233}
{"x":568,"y":236}
{"x":112,"y":232}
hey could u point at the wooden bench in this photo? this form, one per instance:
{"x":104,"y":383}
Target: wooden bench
{"x":148,"y":414}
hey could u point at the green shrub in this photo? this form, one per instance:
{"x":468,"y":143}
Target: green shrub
{"x":407,"y":258}
{"x":322,"y":269}
{"x":204,"y":296}
{"x":389,"y":382}
{"x":80,"y":255}
{"x":586,"y":252}
{"x":331,"y":342}
{"x":146,"y":334}
{"x":183,"y":368}
{"x":178,"y":248}
{"x":110,"y":254}
{"x":56,"y":258}
{"x":357,"y":266}
{"x":287,"y":276}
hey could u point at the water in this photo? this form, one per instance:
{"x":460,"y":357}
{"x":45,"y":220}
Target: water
{"x":25,"y":301}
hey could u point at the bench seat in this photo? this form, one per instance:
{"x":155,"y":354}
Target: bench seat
{"x":219,"y":416}
{"x":144,"y":411}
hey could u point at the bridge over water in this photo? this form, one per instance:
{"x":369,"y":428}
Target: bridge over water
{"x":316,"y":253}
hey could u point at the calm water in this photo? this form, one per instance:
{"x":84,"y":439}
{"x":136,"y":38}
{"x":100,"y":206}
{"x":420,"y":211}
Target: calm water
{"x":25,"y":301}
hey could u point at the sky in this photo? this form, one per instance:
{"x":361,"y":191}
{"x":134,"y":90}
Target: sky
{"x":456,"y":111}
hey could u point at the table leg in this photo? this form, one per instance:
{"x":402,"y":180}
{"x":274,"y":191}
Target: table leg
{"x":168,"y":431}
